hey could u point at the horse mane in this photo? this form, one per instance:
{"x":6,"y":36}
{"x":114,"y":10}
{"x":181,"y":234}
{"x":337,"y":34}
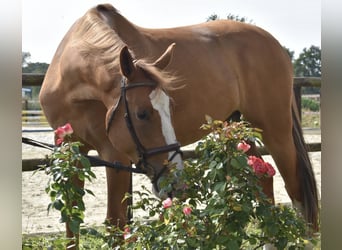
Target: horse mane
{"x":165,"y":79}
{"x":96,"y":39}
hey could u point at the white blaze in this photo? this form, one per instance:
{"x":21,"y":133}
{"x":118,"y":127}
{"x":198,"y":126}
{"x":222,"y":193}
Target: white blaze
{"x":161,"y":102}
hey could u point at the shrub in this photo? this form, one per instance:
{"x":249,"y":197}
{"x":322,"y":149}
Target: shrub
{"x":312,"y":105}
{"x":66,"y":166}
{"x":218,"y":204}
{"x":221,"y":204}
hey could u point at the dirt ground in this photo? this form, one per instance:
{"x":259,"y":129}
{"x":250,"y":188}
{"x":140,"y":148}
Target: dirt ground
{"x":35,"y":201}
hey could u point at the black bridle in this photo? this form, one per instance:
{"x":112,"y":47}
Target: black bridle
{"x":143,"y":153}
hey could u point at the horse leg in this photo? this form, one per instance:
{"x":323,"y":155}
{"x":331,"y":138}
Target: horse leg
{"x":297,"y":174}
{"x":282,"y":150}
{"x":265,"y":183}
{"x":118,"y":184}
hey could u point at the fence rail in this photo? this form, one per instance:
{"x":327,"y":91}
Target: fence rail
{"x":33,"y":118}
{"x":32,"y":79}
{"x":30,"y":117}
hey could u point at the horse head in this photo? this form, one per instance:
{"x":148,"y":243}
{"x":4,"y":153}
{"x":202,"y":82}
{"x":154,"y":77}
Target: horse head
{"x":139,"y":124}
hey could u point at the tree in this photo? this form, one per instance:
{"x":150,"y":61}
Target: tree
{"x":290,"y":53}
{"x":36,"y":67}
{"x":309,"y":62}
{"x":24,"y":58}
{"x":239,"y":19}
{"x":212,"y":17}
{"x":30,"y":67}
{"x":230,"y":16}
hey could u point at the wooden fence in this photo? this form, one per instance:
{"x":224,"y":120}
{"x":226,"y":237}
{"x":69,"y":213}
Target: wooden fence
{"x":29,"y":79}
{"x":33,"y":118}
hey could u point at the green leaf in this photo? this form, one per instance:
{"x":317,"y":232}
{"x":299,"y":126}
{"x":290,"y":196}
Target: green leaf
{"x":53,"y":195}
{"x":220,"y":186}
{"x":232,"y":245}
{"x":92,"y":174}
{"x":58,"y":204}
{"x":57,"y":176}
{"x":89,"y":192}
{"x":64,"y":216}
{"x":48,"y":208}
{"x":74,"y":226}
{"x":212,"y":164}
{"x":85,"y":162}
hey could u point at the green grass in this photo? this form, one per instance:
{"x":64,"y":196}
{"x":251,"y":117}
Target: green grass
{"x":90,"y":239}
{"x":311,"y":119}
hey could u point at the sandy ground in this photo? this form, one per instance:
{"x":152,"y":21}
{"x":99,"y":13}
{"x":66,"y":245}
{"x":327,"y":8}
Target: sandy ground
{"x":35,"y":201}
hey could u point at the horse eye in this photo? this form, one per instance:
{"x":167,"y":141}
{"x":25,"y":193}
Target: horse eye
{"x":143,"y":115}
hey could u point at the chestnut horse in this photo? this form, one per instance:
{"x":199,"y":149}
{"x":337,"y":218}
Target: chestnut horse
{"x":132,"y":93}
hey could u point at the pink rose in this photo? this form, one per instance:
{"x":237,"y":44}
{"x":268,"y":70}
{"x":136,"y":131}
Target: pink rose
{"x":68,"y":129}
{"x":187,"y":210}
{"x":63,"y":131}
{"x":167,"y":203}
{"x":260,"y":167}
{"x":128,"y":237}
{"x":127,"y":233}
{"x":257,"y":164}
{"x":59,"y":141}
{"x":60,"y":133}
{"x":243,"y":146}
{"x":270,"y":169}
{"x":251,"y":160}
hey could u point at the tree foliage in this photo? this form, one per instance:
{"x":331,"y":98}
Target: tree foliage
{"x":24,"y":58}
{"x":290,"y":53}
{"x":32,"y":67}
{"x":309,"y":62}
{"x":230,"y":16}
{"x":36,"y":67}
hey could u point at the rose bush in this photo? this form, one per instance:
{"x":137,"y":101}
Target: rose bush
{"x":66,"y":167}
{"x":222,"y":205}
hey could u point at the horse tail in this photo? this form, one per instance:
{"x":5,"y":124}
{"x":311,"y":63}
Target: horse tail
{"x":305,"y":172}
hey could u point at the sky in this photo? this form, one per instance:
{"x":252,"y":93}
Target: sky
{"x":295,"y":24}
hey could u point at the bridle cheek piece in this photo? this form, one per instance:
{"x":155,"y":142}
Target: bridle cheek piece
{"x":143,"y":154}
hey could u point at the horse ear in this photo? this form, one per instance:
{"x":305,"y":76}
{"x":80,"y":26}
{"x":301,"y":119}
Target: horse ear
{"x":126,"y":63}
{"x":165,"y":58}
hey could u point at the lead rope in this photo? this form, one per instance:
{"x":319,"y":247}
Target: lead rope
{"x":94,"y":161}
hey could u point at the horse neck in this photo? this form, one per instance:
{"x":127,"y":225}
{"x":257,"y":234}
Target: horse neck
{"x":128,"y":32}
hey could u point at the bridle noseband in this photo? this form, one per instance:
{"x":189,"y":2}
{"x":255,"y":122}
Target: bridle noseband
{"x":143,"y":153}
